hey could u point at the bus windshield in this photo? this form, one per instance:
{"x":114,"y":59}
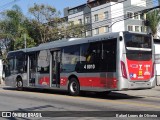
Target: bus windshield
{"x":137,"y":42}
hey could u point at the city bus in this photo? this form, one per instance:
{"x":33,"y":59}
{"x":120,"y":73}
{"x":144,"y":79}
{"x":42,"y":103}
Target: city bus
{"x":103,"y":63}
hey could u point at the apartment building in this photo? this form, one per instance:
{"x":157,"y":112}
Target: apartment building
{"x":102,"y":16}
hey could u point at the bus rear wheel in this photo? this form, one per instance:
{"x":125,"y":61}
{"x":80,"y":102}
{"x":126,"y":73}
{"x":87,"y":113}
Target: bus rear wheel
{"x":19,"y":84}
{"x":74,"y":87}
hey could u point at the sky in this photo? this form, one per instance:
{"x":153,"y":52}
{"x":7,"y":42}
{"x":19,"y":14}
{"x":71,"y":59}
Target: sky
{"x":25,"y":4}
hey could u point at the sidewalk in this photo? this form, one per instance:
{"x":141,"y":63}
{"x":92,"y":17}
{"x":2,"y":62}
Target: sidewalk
{"x":2,"y":83}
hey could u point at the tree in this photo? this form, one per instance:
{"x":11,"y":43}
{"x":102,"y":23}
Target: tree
{"x":154,"y":19}
{"x":69,"y":30}
{"x":43,"y":21}
{"x":46,"y":25}
{"x":12,"y":28}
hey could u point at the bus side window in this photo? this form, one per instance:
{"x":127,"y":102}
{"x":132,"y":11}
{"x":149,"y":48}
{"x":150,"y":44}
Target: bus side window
{"x":70,"y":58}
{"x":91,"y":58}
{"x":108,"y":63}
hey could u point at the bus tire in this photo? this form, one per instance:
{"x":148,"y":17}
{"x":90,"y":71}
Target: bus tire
{"x":19,"y":84}
{"x":73,"y":87}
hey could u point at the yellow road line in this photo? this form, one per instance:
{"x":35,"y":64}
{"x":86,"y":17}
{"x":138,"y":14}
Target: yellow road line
{"x":121,"y":102}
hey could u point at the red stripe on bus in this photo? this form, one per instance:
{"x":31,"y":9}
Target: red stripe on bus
{"x":94,"y":82}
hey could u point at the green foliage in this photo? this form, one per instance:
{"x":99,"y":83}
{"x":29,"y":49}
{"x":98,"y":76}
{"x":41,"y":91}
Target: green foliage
{"x":43,"y":16}
{"x":45,"y":25}
{"x":70,"y":30}
{"x":20,"y":42}
{"x":154,"y":19}
{"x":12,"y":29}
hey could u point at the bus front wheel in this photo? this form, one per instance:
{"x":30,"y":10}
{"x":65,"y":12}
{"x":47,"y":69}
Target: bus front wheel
{"x":19,"y":84}
{"x":74,"y":87}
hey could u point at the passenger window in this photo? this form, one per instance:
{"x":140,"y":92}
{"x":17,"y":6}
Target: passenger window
{"x":70,"y":57}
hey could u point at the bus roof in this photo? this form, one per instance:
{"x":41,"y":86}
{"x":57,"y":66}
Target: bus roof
{"x":72,"y":41}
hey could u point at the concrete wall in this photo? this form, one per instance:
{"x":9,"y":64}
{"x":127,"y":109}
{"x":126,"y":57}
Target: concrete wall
{"x":157,"y":62}
{"x":117,"y":17}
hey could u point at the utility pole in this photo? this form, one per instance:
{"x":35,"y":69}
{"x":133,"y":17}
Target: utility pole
{"x":25,"y":42}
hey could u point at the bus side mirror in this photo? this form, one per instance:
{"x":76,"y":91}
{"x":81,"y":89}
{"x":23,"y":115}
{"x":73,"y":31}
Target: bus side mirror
{"x":120,"y":38}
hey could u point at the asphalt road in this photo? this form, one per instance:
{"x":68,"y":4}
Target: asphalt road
{"x":99,"y":106}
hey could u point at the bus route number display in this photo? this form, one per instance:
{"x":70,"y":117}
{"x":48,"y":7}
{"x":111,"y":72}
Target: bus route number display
{"x":89,"y":66}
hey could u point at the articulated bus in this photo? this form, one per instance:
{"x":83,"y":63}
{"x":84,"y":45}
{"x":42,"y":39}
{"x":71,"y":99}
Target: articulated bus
{"x":104,"y":63}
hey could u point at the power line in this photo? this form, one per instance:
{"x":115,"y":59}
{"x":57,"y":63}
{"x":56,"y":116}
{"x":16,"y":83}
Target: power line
{"x":141,"y":12}
{"x":118,"y":17}
{"x":119,"y":11}
{"x":98,"y":9}
{"x":110,"y":6}
{"x":113,"y":14}
{"x":8,"y":4}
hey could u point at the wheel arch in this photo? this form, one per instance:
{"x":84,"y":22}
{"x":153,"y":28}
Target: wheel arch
{"x":72,"y":76}
{"x":18,"y":76}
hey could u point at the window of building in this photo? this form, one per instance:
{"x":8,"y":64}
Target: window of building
{"x":106,"y":29}
{"x":96,"y":31}
{"x":88,"y":33}
{"x":130,"y":28}
{"x":87,"y":19}
{"x":129,"y":14}
{"x":136,"y":16}
{"x":142,"y":16}
{"x":80,"y":21}
{"x":137,"y":29}
{"x":143,"y":29}
{"x":106,"y":15}
{"x":96,"y":17}
{"x":71,"y":12}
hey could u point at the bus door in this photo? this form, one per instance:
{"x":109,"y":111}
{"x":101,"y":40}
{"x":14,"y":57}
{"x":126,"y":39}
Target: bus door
{"x":43,"y":66}
{"x":56,"y":58}
{"x":32,"y":65}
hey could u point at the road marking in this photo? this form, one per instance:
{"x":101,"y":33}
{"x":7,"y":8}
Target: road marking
{"x":122,"y":102}
{"x":134,"y":103}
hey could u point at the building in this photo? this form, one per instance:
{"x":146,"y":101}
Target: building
{"x":1,"y":71}
{"x":157,"y":60}
{"x":102,"y":16}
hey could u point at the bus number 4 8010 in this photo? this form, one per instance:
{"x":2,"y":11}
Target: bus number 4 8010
{"x":89,"y":66}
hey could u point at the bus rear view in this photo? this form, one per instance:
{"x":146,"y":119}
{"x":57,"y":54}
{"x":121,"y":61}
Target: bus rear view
{"x":137,"y":62}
